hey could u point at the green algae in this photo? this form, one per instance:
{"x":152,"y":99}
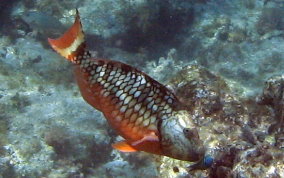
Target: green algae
{"x":270,"y":19}
{"x":27,"y":151}
{"x":3,"y":133}
{"x":237,"y":35}
{"x":20,"y":102}
{"x":250,"y":4}
{"x":212,"y":28}
{"x":3,"y":69}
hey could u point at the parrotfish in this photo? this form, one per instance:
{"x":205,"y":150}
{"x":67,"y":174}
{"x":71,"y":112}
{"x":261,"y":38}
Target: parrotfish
{"x":140,"y":109}
{"x":202,"y":164}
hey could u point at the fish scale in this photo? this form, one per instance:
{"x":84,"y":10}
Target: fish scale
{"x":131,"y":93}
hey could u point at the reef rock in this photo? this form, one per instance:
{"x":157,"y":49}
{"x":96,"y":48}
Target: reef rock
{"x":273,"y":95}
{"x":234,"y":130}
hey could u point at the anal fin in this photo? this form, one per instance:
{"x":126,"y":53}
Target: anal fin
{"x":149,"y":143}
{"x":150,"y":139}
{"x":123,"y":146}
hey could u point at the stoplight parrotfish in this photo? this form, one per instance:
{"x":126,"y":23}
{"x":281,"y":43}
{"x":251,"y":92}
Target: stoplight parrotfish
{"x":140,"y":109}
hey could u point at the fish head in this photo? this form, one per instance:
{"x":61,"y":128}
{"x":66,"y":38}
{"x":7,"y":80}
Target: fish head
{"x":180,"y":139}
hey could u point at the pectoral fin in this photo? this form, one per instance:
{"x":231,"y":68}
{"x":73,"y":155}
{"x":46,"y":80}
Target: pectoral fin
{"x":149,"y":143}
{"x":151,"y":138}
{"x":123,"y":146}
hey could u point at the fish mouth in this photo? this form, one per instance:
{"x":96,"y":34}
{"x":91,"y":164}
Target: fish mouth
{"x":196,"y":153}
{"x":196,"y":148}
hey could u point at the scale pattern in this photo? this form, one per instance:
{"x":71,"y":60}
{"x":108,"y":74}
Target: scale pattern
{"x":131,"y":100}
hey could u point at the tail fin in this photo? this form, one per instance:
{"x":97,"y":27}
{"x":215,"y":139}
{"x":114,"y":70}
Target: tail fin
{"x":71,"y":44}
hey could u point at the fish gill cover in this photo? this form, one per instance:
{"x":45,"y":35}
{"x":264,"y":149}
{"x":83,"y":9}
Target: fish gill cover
{"x":223,"y":59}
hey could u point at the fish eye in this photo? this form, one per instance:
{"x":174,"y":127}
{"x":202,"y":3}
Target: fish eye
{"x":187,"y":133}
{"x":186,"y":130}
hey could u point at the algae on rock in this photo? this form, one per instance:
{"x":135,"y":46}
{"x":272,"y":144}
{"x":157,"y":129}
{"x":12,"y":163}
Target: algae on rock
{"x":231,"y":128}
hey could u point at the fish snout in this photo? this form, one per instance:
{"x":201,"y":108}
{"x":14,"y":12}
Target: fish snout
{"x":196,"y":150}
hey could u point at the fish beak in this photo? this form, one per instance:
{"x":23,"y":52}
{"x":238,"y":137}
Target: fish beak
{"x":204,"y":163}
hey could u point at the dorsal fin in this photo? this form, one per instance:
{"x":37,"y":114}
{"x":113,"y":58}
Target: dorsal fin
{"x":71,"y":44}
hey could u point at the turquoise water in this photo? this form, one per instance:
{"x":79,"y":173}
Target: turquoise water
{"x":48,"y":130}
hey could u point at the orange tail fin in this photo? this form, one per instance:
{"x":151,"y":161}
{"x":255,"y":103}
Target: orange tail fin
{"x":71,"y":44}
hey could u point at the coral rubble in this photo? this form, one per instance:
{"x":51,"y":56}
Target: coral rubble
{"x":230,"y":127}
{"x":273,"y":95}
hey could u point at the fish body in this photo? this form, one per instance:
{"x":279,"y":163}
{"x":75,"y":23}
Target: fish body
{"x":139,"y":108}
